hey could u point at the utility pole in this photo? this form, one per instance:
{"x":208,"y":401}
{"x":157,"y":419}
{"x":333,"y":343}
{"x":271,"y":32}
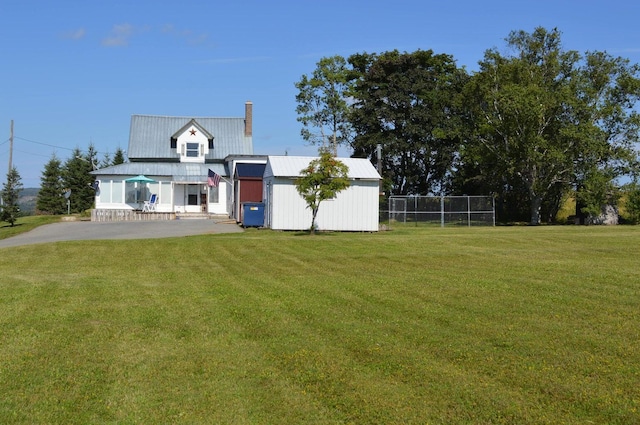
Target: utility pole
{"x":10,"y":148}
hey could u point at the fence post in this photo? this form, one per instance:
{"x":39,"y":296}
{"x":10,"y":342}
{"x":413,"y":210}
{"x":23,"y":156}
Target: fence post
{"x":468,"y":211}
{"x":441,"y":210}
{"x":493,"y":205}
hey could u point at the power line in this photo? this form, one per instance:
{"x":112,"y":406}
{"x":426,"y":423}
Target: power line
{"x":52,"y":146}
{"x":44,"y":144}
{"x":31,"y":153}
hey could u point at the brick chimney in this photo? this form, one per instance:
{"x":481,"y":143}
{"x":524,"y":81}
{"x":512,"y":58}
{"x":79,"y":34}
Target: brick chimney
{"x":248,"y":119}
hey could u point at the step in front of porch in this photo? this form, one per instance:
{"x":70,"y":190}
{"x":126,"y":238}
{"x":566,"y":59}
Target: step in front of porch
{"x":131,"y":215}
{"x":200,"y":216}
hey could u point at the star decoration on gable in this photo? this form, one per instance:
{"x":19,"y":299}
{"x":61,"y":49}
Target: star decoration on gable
{"x":192,"y":131}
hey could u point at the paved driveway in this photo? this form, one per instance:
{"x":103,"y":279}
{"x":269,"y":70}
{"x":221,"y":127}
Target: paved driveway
{"x":85,"y":230}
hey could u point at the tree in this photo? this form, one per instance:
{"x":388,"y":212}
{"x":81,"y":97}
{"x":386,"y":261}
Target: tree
{"x":632,"y":203}
{"x":544,"y":117}
{"x":323,"y":104}
{"x":50,"y":199}
{"x":10,"y":194}
{"x":77,"y":178}
{"x":322,"y":179}
{"x":118,"y":157}
{"x":409,"y":104}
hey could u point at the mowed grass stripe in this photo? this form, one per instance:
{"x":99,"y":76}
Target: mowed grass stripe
{"x":482,"y":325}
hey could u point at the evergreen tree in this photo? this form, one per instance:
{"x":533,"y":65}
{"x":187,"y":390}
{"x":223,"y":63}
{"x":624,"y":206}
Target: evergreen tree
{"x":77,"y":178}
{"x":10,"y":193}
{"x":50,"y":199}
{"x":118,"y":157}
{"x":106,"y":161}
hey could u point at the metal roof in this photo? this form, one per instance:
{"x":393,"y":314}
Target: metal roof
{"x":291,"y":166}
{"x":179,"y":172}
{"x":150,"y":137}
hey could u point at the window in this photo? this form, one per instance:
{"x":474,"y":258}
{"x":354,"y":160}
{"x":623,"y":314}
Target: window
{"x":165,"y":193}
{"x":213,"y":195}
{"x":105,"y":191}
{"x":192,"y":194}
{"x":192,"y":150}
{"x":116,"y":192}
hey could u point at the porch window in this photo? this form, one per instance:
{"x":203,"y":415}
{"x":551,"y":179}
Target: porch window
{"x":117,"y":194}
{"x":105,"y":191}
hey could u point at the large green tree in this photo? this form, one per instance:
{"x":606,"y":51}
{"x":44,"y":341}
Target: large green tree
{"x":322,"y":179}
{"x":548,"y":120}
{"x":10,"y":210}
{"x":50,"y":196}
{"x":323,"y":104}
{"x":409,"y":104}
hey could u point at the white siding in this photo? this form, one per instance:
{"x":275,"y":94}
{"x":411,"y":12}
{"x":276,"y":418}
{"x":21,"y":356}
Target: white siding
{"x":171,"y":196}
{"x":353,"y":209}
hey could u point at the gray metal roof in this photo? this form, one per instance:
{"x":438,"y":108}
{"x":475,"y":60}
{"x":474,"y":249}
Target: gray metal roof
{"x":150,"y":137}
{"x":179,"y":172}
{"x":291,"y":166}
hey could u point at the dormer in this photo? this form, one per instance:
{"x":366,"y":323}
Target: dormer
{"x":192,"y":142}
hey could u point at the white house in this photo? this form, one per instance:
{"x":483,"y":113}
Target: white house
{"x":177,"y":153}
{"x":353,"y":209}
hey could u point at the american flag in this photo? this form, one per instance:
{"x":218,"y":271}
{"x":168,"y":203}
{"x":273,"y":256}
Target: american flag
{"x":214,"y":179}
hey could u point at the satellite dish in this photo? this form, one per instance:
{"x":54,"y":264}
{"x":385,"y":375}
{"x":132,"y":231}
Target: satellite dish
{"x":67,"y":194}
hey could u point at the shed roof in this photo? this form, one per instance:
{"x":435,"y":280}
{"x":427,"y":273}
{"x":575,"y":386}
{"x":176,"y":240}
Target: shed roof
{"x":150,"y":137}
{"x":291,"y":166}
{"x":250,"y":170}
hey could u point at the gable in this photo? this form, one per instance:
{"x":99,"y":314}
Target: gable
{"x":193,"y":130}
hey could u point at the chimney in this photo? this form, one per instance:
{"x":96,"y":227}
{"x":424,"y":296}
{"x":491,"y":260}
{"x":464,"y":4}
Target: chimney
{"x":248,"y":119}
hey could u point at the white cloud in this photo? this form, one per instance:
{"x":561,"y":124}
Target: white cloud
{"x":75,"y":34}
{"x":119,"y":35}
{"x":186,"y":34}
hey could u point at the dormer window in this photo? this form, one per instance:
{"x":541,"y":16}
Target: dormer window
{"x":192,"y":150}
{"x":192,"y":142}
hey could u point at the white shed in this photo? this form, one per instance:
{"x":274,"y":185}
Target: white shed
{"x":353,"y":209}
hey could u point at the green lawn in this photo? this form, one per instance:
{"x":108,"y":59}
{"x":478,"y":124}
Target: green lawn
{"x":504,"y":325}
{"x":24,"y":224}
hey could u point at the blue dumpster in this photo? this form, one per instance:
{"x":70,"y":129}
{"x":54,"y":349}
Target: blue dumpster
{"x":252,"y":214}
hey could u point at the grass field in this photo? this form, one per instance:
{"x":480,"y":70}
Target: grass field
{"x":505,"y":325}
{"x":24,"y":224}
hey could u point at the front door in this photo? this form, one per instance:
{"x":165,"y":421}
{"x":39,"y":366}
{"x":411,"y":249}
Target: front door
{"x":192,"y":198}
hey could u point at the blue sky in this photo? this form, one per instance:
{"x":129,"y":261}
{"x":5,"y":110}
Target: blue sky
{"x":73,"y":72}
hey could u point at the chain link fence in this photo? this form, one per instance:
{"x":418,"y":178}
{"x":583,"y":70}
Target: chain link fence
{"x":439,"y":211}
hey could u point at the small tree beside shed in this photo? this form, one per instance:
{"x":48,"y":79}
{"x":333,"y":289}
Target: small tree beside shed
{"x":322,"y":179}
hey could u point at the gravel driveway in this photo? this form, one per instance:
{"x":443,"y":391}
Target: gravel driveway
{"x":86,"y":230}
